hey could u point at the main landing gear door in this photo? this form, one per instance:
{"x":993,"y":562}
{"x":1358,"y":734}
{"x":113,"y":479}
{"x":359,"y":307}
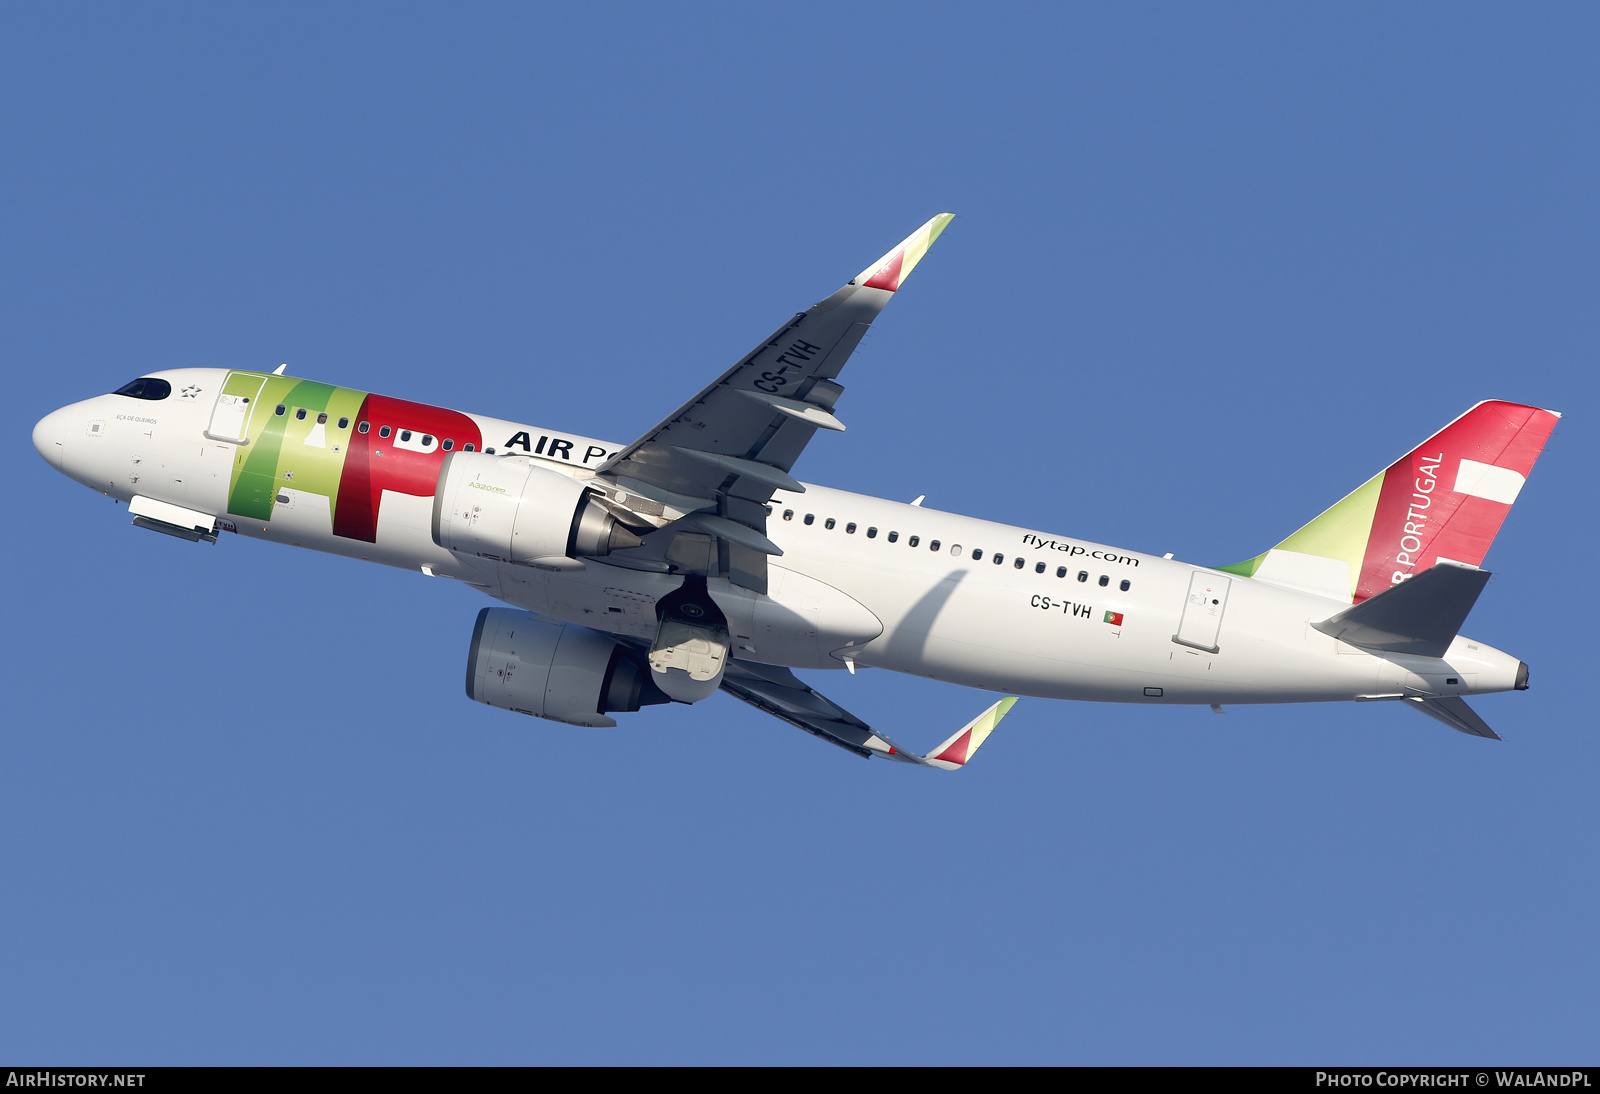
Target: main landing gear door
{"x":690,"y":651}
{"x":236,"y":403}
{"x":1202,"y":611}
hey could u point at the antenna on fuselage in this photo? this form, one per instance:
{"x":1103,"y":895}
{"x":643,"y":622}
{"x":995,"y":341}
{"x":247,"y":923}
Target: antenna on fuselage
{"x":279,"y":370}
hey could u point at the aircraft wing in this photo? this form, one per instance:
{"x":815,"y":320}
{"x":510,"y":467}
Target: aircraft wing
{"x":721,"y":455}
{"x":778,"y":692}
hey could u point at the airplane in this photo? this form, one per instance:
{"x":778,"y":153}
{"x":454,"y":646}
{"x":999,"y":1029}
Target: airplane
{"x":691,"y":562}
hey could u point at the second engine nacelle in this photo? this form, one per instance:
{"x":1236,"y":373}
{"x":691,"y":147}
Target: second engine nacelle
{"x":553,"y":670}
{"x":510,"y":509}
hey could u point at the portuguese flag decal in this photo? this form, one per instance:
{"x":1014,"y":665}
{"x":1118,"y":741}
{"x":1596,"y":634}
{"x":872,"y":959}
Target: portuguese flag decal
{"x":1114,"y":618}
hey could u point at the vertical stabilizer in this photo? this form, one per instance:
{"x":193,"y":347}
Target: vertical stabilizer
{"x":1441,"y":502}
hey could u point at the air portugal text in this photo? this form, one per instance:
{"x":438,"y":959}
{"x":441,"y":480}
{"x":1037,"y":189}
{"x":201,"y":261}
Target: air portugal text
{"x":556,"y":448}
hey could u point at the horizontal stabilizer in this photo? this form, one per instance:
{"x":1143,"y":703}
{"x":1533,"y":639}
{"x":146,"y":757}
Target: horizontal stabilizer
{"x":1454,"y":713}
{"x":1421,"y":616}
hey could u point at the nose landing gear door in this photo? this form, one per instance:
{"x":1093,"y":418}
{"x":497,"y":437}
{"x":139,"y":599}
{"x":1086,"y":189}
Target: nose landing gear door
{"x":1202,"y":611}
{"x":236,"y":405}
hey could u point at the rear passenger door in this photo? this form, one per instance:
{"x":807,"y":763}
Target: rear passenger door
{"x":1202,"y":611}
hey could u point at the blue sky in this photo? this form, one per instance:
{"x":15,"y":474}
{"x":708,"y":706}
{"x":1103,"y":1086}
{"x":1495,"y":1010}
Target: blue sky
{"x":1214,"y":265}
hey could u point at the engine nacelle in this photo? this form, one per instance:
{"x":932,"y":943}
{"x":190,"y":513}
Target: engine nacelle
{"x":554,"y":670}
{"x":510,"y":509}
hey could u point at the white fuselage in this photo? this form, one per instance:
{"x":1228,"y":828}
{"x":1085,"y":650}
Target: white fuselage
{"x":1039,"y":614}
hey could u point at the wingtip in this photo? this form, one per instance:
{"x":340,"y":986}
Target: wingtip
{"x":891,"y":271}
{"x":958,"y":749}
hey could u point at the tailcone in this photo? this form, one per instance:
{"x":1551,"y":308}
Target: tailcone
{"x":1521,"y":683}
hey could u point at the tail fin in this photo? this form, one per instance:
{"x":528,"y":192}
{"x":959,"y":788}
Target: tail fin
{"x":1441,"y":502}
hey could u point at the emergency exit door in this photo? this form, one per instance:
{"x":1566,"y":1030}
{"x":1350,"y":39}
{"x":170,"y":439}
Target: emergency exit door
{"x":1202,"y":611}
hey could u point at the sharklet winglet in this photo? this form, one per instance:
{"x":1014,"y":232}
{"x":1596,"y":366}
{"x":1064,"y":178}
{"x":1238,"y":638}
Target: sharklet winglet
{"x":960,"y":746}
{"x":891,"y":271}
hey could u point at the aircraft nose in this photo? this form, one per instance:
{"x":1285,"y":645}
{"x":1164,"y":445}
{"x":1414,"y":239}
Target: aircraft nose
{"x":50,"y":437}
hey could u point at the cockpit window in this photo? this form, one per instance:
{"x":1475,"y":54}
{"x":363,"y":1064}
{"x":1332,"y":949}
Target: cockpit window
{"x":145,"y":387}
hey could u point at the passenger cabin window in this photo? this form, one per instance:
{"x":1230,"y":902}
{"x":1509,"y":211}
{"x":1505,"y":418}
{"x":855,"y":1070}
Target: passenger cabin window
{"x":1104,"y":581}
{"x":955,"y":548}
{"x":281,"y":410}
{"x":363,"y":427}
{"x":1083,"y":575}
{"x":894,"y":536}
{"x":448,"y":444}
{"x":872,"y":533}
{"x":1061,"y":571}
{"x":152,"y":388}
{"x":999,"y":558}
{"x":788,"y":514}
{"x":1038,"y":567}
{"x":934,"y":546}
{"x":977,"y":555}
{"x":1124,"y":585}
{"x":1018,"y":564}
{"x":385,"y":431}
{"x":344,"y":423}
{"x":468,"y":447}
{"x":913,"y":541}
{"x":810,"y":517}
{"x":850,"y":529}
{"x":300,"y":414}
{"x":405,"y":434}
{"x":828,"y":524}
